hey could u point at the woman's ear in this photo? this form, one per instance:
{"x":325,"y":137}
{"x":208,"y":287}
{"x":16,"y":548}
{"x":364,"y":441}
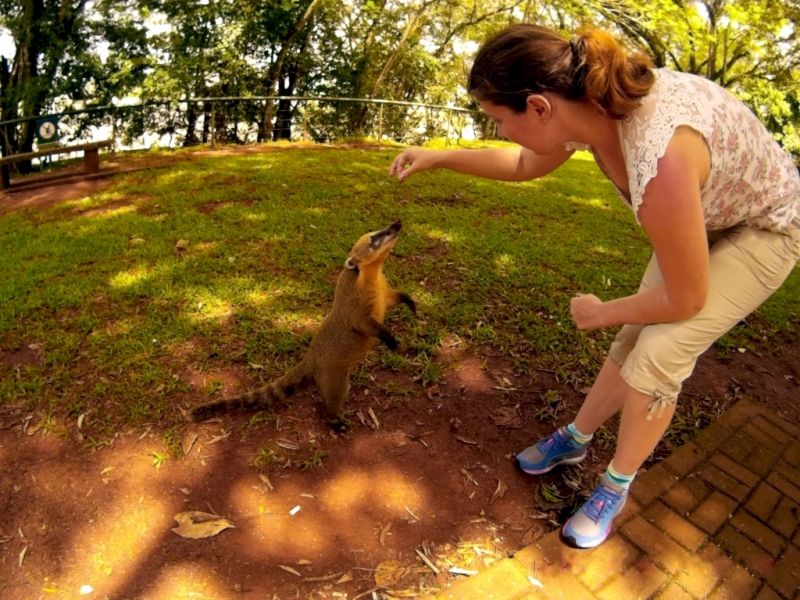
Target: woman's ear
{"x":541,"y":106}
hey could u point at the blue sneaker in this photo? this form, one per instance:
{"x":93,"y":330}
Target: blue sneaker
{"x":555,"y":450}
{"x":590,"y":526}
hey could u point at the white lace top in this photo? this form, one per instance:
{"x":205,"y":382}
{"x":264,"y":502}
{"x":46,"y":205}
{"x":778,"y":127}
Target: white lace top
{"x":752,"y":180}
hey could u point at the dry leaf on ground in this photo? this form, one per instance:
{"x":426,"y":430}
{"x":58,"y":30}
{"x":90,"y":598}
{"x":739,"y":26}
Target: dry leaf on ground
{"x":195,"y":524}
{"x":389,"y":573}
{"x":507,"y":416}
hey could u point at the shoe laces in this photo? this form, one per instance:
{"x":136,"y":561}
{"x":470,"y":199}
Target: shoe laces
{"x":557,"y":440}
{"x":601,"y":502}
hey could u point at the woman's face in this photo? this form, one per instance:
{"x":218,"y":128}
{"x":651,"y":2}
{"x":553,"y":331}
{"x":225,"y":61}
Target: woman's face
{"x":528,"y":129}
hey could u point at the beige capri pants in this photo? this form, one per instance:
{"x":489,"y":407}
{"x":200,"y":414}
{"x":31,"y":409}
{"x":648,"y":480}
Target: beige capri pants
{"x":746,"y":266}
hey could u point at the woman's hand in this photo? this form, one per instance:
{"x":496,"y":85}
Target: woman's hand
{"x":412,"y":160}
{"x":586,"y":309}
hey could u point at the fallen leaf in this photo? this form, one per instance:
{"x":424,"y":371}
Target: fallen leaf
{"x":389,"y":573}
{"x":22,"y":555}
{"x":344,"y":578}
{"x":498,"y":493}
{"x":196,"y":524}
{"x":330,"y":577}
{"x":461,"y":439}
{"x":267,"y":482}
{"x":427,"y":561}
{"x":507,"y":416}
{"x":374,"y":418}
{"x":533,"y":534}
{"x":188,"y":442}
{"x":290,"y":570}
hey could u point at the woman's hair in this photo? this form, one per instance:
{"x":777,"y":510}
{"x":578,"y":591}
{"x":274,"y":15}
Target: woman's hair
{"x":528,"y":59}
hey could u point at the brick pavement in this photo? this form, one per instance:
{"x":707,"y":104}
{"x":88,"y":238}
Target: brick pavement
{"x":718,"y":519}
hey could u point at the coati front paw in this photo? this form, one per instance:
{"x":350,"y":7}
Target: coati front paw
{"x":409,"y":302}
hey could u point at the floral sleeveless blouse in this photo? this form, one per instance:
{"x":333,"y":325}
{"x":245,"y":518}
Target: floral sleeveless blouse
{"x":752,"y":180}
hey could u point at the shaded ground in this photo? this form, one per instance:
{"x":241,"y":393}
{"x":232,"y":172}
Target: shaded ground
{"x":422,"y":471}
{"x":435,"y":474}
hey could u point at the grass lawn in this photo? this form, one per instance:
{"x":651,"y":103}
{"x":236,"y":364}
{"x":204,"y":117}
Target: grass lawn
{"x":232,"y":261}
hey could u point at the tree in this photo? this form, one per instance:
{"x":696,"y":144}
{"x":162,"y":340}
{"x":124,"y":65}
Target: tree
{"x":750,"y":47}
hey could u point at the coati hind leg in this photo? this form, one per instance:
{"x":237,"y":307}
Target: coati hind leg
{"x":334,"y":387}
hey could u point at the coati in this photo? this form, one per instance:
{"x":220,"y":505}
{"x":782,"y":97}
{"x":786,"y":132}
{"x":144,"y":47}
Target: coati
{"x":343,"y":340}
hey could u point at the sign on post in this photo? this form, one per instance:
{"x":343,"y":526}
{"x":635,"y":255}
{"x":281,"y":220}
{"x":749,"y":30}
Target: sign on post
{"x":46,"y":131}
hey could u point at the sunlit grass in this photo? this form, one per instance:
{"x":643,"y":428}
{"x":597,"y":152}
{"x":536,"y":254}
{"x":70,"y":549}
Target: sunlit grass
{"x":237,"y":257}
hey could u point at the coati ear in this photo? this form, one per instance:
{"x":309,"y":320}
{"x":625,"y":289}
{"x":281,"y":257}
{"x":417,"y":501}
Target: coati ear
{"x":351,"y":264}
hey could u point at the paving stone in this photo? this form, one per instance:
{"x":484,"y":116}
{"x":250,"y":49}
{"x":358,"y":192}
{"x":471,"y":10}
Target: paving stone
{"x":785,"y":487}
{"x":786,"y":518}
{"x":740,"y":413}
{"x":737,"y":585}
{"x":609,"y":559}
{"x":676,"y":527}
{"x":632,"y":508}
{"x":779,"y":421}
{"x":503,"y":580}
{"x":739,"y":447}
{"x":684,"y":459}
{"x":764,"y":438}
{"x":640,"y":581}
{"x":711,"y":438}
{"x":674,"y":592}
{"x":736,"y":471}
{"x":791,"y":474}
{"x":659,"y":548}
{"x":713,"y":513}
{"x":785,"y":578}
{"x":704,"y":570}
{"x":550,"y":555}
{"x":792,"y":454}
{"x":763,"y":501}
{"x":747,"y":524}
{"x":556,"y":566}
{"x":687,"y":495}
{"x":562,"y":586}
{"x":742,"y":549}
{"x":530,"y":596}
{"x":761,"y":460}
{"x":777,"y":433}
{"x":723,"y":482}
{"x":767,"y":593}
{"x":653,"y":484}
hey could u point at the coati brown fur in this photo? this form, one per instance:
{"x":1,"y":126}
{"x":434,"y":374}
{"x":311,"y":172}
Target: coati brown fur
{"x":343,"y":340}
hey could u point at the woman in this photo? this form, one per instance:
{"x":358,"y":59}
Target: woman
{"x":716,"y":195}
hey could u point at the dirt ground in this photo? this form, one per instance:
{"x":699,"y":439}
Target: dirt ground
{"x":315,"y":514}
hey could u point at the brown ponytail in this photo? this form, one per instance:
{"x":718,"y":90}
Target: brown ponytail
{"x":528,"y":59}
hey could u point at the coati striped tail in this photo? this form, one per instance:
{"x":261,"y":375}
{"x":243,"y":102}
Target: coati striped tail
{"x":261,"y":398}
{"x":264,"y":397}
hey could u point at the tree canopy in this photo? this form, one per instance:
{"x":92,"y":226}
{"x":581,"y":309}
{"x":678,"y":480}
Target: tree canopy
{"x":72,"y":53}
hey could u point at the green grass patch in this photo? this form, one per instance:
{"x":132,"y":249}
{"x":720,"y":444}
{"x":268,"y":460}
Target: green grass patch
{"x":229,"y":263}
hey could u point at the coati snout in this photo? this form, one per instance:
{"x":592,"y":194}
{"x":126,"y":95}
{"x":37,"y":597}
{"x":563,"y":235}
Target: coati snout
{"x":343,"y":340}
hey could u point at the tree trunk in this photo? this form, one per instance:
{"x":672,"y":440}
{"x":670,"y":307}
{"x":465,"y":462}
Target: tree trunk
{"x":277,"y":67}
